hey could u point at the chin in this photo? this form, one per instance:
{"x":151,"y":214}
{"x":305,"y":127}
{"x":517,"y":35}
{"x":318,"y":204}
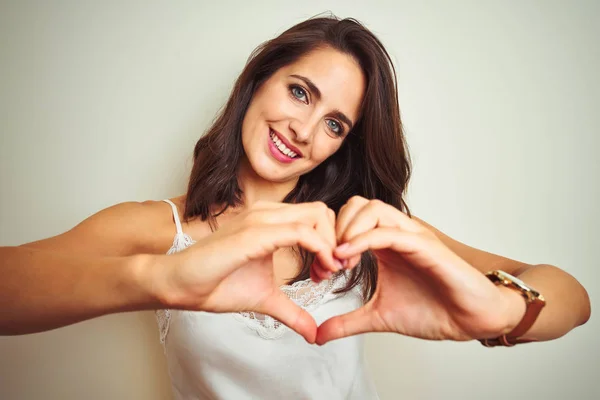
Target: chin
{"x":275,"y":176}
{"x":270,"y":171}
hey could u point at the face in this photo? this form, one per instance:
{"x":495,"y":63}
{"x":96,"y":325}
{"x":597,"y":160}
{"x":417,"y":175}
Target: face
{"x":301,"y":115}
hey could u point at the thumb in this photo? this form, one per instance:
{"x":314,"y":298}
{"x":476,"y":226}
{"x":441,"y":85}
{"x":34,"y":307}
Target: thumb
{"x":352,"y":323}
{"x":283,"y":309}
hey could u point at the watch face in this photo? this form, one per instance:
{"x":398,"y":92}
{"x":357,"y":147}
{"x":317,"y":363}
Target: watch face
{"x":510,"y":279}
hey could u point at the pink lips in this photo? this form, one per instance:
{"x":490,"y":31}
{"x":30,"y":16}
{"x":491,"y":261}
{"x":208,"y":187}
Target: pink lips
{"x":278,"y":155}
{"x":287,"y":144}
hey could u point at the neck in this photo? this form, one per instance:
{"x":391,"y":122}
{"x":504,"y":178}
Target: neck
{"x":256,"y":188}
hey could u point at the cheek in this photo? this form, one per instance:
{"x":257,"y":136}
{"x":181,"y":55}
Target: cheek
{"x":324,"y":148}
{"x":251,"y":123}
{"x":247,"y":122}
{"x":278,"y":106}
{"x":265,"y":109}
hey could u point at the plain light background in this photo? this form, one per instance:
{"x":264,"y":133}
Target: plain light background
{"x":102,"y":102}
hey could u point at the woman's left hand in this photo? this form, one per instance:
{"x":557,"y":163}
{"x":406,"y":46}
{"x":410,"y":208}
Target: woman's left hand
{"x":424,"y":289}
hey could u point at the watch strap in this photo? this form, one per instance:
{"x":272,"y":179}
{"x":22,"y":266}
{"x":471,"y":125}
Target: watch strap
{"x":534,"y":304}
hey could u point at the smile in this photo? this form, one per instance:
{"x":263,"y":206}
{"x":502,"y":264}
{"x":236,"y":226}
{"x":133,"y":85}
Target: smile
{"x":279,"y":145}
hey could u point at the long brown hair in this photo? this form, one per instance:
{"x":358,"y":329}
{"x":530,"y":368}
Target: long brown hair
{"x":373,"y":161}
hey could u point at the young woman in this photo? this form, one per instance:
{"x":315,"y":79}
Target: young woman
{"x":294,"y":218}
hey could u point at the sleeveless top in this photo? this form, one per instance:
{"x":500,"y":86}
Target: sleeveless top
{"x":252,"y":356}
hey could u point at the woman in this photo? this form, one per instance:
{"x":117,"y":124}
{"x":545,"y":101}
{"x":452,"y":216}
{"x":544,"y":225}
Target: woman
{"x":302,"y":173}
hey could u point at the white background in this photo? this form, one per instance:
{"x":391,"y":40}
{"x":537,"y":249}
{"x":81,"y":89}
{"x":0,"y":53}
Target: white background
{"x":102,"y":102}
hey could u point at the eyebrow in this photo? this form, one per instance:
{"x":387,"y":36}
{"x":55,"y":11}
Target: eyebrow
{"x":317,"y":93}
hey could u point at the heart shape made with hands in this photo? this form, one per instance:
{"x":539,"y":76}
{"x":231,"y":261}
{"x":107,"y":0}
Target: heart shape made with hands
{"x":424,"y":289}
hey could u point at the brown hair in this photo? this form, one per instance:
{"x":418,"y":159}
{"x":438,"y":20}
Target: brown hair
{"x":373,"y":161}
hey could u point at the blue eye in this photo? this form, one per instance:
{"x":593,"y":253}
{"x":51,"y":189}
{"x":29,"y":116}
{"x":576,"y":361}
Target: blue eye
{"x":298,"y":93}
{"x":335,"y":126}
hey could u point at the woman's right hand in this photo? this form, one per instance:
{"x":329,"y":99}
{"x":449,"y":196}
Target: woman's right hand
{"x":231,"y":270}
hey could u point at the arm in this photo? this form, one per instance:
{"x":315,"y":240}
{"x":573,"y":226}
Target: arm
{"x":105,"y":265}
{"x":86,"y":272}
{"x":567,"y":302}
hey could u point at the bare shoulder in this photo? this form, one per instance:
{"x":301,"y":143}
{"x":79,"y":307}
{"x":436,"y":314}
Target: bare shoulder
{"x":123,"y":229}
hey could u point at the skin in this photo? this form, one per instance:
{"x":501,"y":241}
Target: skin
{"x":115,"y":259}
{"x":285,"y":104}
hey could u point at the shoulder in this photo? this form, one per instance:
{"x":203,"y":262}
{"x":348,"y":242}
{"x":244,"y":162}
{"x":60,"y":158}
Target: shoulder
{"x":131,"y":216}
{"x":151,"y":223}
{"x":122,"y":229}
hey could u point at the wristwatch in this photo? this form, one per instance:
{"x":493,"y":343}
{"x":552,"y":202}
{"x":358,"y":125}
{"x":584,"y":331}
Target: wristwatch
{"x":534,"y":302}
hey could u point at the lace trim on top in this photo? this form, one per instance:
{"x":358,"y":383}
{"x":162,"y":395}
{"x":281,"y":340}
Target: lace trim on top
{"x":305,"y":293}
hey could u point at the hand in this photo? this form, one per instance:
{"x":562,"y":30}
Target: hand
{"x":232,"y":269}
{"x":423,"y":290}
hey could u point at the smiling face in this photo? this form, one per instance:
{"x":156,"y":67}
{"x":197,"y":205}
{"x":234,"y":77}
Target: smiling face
{"x":301,"y":114}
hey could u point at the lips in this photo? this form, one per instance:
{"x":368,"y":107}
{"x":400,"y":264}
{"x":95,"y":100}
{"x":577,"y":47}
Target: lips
{"x":287,"y":143}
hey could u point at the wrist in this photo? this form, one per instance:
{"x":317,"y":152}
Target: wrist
{"x":515,"y":308}
{"x":145,"y":274}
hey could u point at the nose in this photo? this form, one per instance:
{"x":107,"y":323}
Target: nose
{"x":304,"y":129}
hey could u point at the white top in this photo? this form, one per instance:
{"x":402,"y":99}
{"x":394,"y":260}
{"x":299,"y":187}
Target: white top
{"x":252,"y":356}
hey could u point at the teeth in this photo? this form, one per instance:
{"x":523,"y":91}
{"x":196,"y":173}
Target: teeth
{"x":282,"y":147}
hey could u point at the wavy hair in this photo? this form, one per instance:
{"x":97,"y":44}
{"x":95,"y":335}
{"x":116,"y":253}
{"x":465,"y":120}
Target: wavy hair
{"x":373,"y":162}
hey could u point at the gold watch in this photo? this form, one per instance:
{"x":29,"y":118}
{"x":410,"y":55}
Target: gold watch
{"x":534,"y":302}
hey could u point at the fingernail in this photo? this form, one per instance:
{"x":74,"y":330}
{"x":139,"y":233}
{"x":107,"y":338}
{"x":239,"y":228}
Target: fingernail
{"x":345,"y":263}
{"x":338,"y":264}
{"x":342,"y":247}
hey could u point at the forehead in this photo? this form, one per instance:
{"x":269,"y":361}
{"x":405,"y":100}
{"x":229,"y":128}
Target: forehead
{"x":337,"y":75}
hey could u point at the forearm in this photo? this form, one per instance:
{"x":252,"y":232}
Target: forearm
{"x":42,"y":290}
{"x":567,"y":302}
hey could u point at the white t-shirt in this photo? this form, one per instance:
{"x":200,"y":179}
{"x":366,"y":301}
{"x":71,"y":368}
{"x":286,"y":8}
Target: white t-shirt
{"x":251,"y":356}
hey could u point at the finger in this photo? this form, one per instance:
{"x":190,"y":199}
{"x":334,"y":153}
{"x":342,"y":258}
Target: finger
{"x":377,"y":239}
{"x":315,"y":214}
{"x":377,"y":214}
{"x":320,"y":272}
{"x":353,"y":323}
{"x":283,"y":309}
{"x":318,"y":277}
{"x":353,"y":261}
{"x":260,"y":241}
{"x":314,"y":277}
{"x":326,"y":225}
{"x":323,"y":273}
{"x":347,"y":213}
{"x":429,"y":256}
